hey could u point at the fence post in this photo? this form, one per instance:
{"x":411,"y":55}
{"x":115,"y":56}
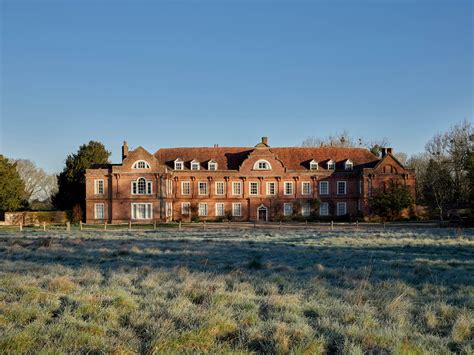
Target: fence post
{"x":204,"y":225}
{"x":332,"y":225}
{"x":80,"y":225}
{"x":254,"y":224}
{"x":179,"y":225}
{"x":154,"y":225}
{"x":306,"y":221}
{"x":21,"y":226}
{"x":44,"y":226}
{"x":383,"y":224}
{"x":105,"y":225}
{"x":357,"y":224}
{"x":68,"y":226}
{"x":129,"y":225}
{"x":279,"y":224}
{"x":228,"y":224}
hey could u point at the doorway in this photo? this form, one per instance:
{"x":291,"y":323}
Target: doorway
{"x":262,"y":213}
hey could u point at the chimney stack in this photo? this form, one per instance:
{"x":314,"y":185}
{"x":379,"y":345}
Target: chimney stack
{"x":265,"y":140}
{"x":124,"y":150}
{"x":389,"y":150}
{"x":384,"y":151}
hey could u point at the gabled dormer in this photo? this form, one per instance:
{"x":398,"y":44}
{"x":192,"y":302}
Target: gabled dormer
{"x":179,"y":164}
{"x":313,"y":165}
{"x":331,"y":165}
{"x":348,"y":165}
{"x":212,"y":165}
{"x":195,"y":165}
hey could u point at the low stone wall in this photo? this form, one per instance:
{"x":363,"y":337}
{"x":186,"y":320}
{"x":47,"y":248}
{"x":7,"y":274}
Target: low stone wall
{"x":35,"y":217}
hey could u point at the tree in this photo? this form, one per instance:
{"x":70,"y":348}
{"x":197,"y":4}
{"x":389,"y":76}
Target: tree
{"x":419,"y":162}
{"x":470,"y":174}
{"x":39,"y":185}
{"x":12,"y":188}
{"x":390,"y":203}
{"x":71,"y":181}
{"x":438,"y":192}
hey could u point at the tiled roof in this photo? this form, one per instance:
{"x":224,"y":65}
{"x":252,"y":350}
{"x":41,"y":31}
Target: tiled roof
{"x":294,"y":158}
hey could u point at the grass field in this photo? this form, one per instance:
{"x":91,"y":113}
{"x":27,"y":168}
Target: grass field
{"x":305,"y":292}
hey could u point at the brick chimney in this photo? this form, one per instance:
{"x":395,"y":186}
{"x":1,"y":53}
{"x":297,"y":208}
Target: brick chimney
{"x":384,"y":151}
{"x":265,"y":140}
{"x":124,"y":150}
{"x":389,"y":150}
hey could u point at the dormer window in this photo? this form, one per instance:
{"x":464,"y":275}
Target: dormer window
{"x":212,"y":165}
{"x":313,"y":165}
{"x":141,"y":164}
{"x":262,"y":165}
{"x":331,"y":165}
{"x":178,"y":164}
{"x":349,"y":165}
{"x":195,"y":165}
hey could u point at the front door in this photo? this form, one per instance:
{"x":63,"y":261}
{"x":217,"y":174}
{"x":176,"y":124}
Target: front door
{"x":262,"y":214}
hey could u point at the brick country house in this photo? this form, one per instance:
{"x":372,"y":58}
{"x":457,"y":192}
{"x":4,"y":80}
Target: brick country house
{"x":259,"y":183}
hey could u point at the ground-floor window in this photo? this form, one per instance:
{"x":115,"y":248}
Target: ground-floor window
{"x":220,"y":211}
{"x":99,"y":211}
{"x":341,"y":208}
{"x":142,"y":210}
{"x":169,"y":209}
{"x":288,"y":209}
{"x":236,"y":209}
{"x":186,"y":208}
{"x":324,"y":209}
{"x":306,"y":209}
{"x":202,"y":210}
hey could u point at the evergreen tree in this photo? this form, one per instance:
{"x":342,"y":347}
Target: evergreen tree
{"x":390,"y":203}
{"x":12,"y":188}
{"x":72,"y":181}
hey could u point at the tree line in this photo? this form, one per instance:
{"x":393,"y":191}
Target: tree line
{"x":444,"y":171}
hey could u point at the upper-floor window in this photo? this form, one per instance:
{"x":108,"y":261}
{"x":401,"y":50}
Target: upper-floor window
{"x":141,"y":164}
{"x":324,"y":187}
{"x":178,"y":164}
{"x":195,"y":165}
{"x":220,"y":188}
{"x":349,"y":165}
{"x":262,"y":165}
{"x":341,"y":187}
{"x":141,"y":187}
{"x":288,"y":188}
{"x":313,"y":165}
{"x":271,"y":188}
{"x":202,"y":188}
{"x":99,"y":187}
{"x":236,"y":188}
{"x":212,"y":165}
{"x":331,"y":165}
{"x":185,"y":188}
{"x":253,"y":188}
{"x":306,"y":188}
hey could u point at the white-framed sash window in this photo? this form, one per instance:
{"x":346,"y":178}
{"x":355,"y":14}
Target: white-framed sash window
{"x":324,"y":209}
{"x":271,"y":190}
{"x":341,"y":187}
{"x":287,"y":209}
{"x":341,"y":208}
{"x":305,"y":209}
{"x":237,"y":188}
{"x":306,"y":188}
{"x":142,"y":210}
{"x":141,"y":186}
{"x":99,"y":211}
{"x":324,"y":187}
{"x":202,"y":187}
{"x":220,"y":188}
{"x":220,"y":210}
{"x":288,"y":188}
{"x":99,"y":186}
{"x":202,"y":209}
{"x":185,"y":188}
{"x":186,"y":208}
{"x":253,"y":188}
{"x":236,"y":209}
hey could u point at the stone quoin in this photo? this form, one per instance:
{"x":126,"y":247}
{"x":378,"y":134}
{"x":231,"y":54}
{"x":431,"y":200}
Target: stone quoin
{"x":258,"y":183}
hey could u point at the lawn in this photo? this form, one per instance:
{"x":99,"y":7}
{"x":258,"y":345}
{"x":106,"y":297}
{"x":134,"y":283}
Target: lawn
{"x":244,"y":291}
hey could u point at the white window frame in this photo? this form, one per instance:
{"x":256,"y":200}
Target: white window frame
{"x":345,"y":208}
{"x":250,"y":188}
{"x":313,"y":165}
{"x":331,"y":163}
{"x":220,"y":205}
{"x":285,"y":212}
{"x":309,"y":190}
{"x":96,"y":215}
{"x":326,"y":183}
{"x":256,"y":166}
{"x":148,"y":187}
{"x":188,"y":183}
{"x":185,"y":208}
{"x":203,"y":209}
{"x":199,"y":188}
{"x":96,"y":186}
{"x":148,"y":211}
{"x":195,"y":165}
{"x":324,"y":211}
{"x":217,"y":190}
{"x":145,"y":163}
{"x":234,"y":184}
{"x":345,"y":188}
{"x":181,"y":164}
{"x":306,"y":211}
{"x":213,"y":164}
{"x":349,"y":165}
{"x":169,"y":209}
{"x":285,"y":184}
{"x":271,"y":183}
{"x":237,"y":212}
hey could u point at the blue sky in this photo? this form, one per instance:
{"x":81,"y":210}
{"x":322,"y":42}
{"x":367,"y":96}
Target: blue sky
{"x":195,"y":73}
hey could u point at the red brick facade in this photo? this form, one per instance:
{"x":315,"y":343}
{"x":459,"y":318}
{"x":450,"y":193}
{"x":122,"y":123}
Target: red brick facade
{"x":247,"y":184}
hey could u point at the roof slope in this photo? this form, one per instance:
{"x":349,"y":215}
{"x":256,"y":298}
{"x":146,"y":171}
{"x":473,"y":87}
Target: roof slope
{"x":294,"y":158}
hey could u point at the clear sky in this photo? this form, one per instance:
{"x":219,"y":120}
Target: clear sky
{"x":195,"y":73}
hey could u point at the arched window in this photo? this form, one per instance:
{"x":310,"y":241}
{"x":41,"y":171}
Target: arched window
{"x":141,"y":164}
{"x":262,"y":165}
{"x":141,"y":187}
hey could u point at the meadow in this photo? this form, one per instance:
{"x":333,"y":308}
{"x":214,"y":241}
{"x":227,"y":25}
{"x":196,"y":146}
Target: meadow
{"x":237,"y":291}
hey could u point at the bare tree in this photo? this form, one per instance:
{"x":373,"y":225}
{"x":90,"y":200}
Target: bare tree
{"x":402,"y":157}
{"x":39,"y":185}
